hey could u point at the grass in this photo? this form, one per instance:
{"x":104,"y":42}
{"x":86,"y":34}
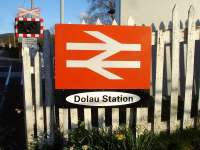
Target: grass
{"x":124,"y":139}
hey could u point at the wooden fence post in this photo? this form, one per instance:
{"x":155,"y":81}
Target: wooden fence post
{"x":142,"y":124}
{"x":158,"y":125}
{"x":115,"y":118}
{"x":87,"y":118}
{"x":28,"y":96}
{"x":63,"y":122}
{"x":101,"y":117}
{"x":38,"y":95}
{"x":168,"y":69}
{"x":175,"y":70}
{"x":74,"y":117}
{"x":187,"y":121}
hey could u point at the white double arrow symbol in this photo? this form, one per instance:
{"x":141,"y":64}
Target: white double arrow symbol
{"x":109,"y":48}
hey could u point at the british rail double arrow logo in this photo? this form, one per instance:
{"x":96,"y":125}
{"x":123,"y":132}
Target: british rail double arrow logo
{"x":98,"y":63}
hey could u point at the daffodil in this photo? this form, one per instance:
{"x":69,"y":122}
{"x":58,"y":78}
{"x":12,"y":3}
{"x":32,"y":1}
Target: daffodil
{"x":120,"y":136}
{"x":85,"y":147}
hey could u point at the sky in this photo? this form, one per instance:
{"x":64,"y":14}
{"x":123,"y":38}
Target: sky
{"x":50,"y":11}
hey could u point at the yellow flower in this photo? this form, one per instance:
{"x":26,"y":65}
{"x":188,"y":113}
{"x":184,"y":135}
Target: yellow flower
{"x":120,"y":137}
{"x":85,"y":147}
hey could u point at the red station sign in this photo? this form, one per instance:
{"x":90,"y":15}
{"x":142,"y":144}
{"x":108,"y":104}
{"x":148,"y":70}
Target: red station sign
{"x":102,"y":57}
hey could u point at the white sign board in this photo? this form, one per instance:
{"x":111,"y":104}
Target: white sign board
{"x":29,"y":42}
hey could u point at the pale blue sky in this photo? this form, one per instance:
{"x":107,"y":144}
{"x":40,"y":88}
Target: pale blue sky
{"x":50,"y":11}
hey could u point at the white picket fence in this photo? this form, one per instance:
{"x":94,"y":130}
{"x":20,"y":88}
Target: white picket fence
{"x":39,"y":111}
{"x":175,"y":75}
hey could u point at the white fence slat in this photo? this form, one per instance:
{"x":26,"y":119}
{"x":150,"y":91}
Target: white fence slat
{"x":74,"y":117}
{"x":28,"y":99}
{"x":159,"y":83}
{"x":129,"y":117}
{"x":175,"y":70}
{"x":187,"y":121}
{"x":88,"y":118}
{"x":32,"y":70}
{"x":61,"y":116}
{"x":83,"y":22}
{"x":169,"y":70}
{"x":101,"y":117}
{"x":38,"y":95}
{"x":142,"y":121}
{"x":153,"y":38}
{"x":185,"y":57}
{"x":65,"y":123}
{"x":115,"y":118}
{"x":182,"y":35}
{"x":114,"y":23}
{"x":167,"y":36}
{"x":197,"y":33}
{"x":98,"y":22}
{"x":131,"y":21}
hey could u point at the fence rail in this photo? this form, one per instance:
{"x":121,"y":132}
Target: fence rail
{"x":175,"y":78}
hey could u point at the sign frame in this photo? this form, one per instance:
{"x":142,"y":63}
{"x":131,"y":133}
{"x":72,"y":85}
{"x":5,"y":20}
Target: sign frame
{"x":24,"y":35}
{"x":68,"y":35}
